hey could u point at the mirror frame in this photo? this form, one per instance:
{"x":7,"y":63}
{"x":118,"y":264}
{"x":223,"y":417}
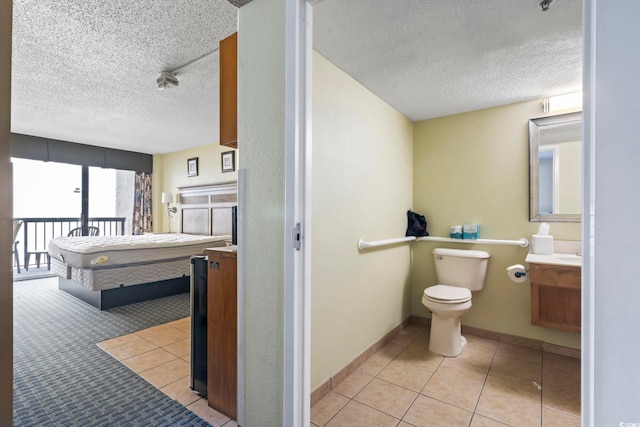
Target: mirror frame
{"x":535,"y":126}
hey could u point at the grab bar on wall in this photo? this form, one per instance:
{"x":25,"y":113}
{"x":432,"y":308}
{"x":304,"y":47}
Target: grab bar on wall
{"x":376,"y":243}
{"x":522,"y":242}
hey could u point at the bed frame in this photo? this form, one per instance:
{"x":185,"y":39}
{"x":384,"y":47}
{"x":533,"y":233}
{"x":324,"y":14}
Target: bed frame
{"x":116,"y":297}
{"x":204,"y":210}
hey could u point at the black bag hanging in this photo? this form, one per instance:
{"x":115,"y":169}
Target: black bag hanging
{"x":417,"y":224}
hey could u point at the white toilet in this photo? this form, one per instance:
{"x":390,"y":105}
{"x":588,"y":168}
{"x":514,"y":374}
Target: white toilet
{"x":459,"y":272}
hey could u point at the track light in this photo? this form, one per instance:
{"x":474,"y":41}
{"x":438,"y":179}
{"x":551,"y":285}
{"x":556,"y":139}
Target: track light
{"x":544,"y":5}
{"x":167,"y":80}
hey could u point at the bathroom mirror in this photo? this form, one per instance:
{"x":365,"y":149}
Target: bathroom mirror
{"x":555,"y":168}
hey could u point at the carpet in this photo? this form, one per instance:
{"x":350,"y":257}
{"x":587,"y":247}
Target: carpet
{"x":61,"y":378}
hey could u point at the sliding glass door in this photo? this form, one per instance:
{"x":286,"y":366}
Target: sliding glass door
{"x":55,"y":199}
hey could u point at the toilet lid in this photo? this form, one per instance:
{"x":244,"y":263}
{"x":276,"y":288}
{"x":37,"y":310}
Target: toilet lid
{"x":447,"y":294}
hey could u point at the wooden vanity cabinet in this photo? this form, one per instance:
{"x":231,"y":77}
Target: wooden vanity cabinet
{"x":229,"y":91}
{"x":555,"y":296}
{"x":222,"y":330}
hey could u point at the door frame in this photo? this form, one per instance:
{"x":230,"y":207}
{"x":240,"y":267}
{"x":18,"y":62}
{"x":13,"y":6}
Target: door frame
{"x":297,"y":316}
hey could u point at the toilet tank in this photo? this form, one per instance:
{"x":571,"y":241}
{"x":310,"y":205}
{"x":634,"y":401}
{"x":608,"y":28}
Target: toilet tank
{"x":461,"y":268}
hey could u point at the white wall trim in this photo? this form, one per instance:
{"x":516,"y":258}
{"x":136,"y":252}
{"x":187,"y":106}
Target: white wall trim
{"x":297,"y":210}
{"x":241,"y":294}
{"x":588,"y":218}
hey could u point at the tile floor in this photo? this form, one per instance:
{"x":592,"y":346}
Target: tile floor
{"x":403,"y":384}
{"x":489,"y":384}
{"x":161,"y":355}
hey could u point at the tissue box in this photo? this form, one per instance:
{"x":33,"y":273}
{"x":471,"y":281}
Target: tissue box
{"x":542,"y":245}
{"x":456,"y":232}
{"x":471,"y":231}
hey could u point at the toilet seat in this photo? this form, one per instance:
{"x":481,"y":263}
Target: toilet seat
{"x":444,"y":294}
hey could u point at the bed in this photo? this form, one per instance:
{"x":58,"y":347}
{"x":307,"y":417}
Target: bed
{"x":110,"y":271}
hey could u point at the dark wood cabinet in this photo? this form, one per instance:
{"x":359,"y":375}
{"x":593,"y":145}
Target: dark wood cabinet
{"x":229,"y":91}
{"x":222,"y":332}
{"x":555,"y":296}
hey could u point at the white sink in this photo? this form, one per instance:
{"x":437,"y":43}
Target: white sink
{"x":571,"y":260}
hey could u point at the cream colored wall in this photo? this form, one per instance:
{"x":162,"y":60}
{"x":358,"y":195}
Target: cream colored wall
{"x":362,"y":178}
{"x":170,"y":172}
{"x":473,"y":168}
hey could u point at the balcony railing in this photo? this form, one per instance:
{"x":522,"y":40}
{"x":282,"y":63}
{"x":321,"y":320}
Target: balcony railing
{"x":37,"y":232}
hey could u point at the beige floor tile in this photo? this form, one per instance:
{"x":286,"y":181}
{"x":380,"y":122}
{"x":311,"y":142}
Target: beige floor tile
{"x":520,"y":353}
{"x":556,"y":361}
{"x":408,"y":334}
{"x":452,"y":362}
{"x":475,"y":357}
{"x":352,"y":384}
{"x":510,"y":400}
{"x":480,"y":421}
{"x":149,"y":360}
{"x":481,"y":344}
{"x":180,"y":348}
{"x":427,"y":412}
{"x":131,"y":349}
{"x":166,"y":368}
{"x":421,"y":340}
{"x":181,"y":391}
{"x":358,"y":415}
{"x":551,"y":418}
{"x":163,"y":375}
{"x":569,"y":380}
{"x":561,"y":400}
{"x":327,"y":407}
{"x":115,"y":342}
{"x":421,"y":356}
{"x":386,"y":397}
{"x":403,"y":424}
{"x":517,"y":368}
{"x":390,"y":350}
{"x":380,"y":359}
{"x":183,"y":324}
{"x":456,"y":383}
{"x":201,"y":408}
{"x":167,"y":337}
{"x":406,"y":373}
{"x":154,"y":330}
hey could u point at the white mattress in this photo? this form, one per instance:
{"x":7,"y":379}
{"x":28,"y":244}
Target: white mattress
{"x":115,"y":277}
{"x":98,"y":252}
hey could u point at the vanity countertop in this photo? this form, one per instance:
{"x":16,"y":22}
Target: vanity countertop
{"x":229,"y":249}
{"x":569,"y":260}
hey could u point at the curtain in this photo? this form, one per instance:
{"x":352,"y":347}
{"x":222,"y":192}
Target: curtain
{"x":142,"y":204}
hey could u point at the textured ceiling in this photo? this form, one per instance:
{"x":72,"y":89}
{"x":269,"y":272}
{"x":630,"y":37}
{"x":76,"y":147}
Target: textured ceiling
{"x":86,"y":71}
{"x":431,"y":58}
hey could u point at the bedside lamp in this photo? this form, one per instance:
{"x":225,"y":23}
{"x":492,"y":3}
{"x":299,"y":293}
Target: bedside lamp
{"x":167,"y":198}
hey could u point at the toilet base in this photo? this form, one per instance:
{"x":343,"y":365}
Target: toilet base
{"x":446,"y":339}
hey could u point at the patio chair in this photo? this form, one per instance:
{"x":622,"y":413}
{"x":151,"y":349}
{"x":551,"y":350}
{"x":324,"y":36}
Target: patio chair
{"x":16,"y":228}
{"x":93,"y":231}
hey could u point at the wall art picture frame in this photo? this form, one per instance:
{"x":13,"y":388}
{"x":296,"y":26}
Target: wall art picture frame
{"x":228,"y":159}
{"x":192,"y":166}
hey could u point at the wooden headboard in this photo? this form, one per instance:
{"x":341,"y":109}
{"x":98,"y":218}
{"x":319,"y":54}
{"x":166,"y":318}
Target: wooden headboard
{"x":206,"y":209}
